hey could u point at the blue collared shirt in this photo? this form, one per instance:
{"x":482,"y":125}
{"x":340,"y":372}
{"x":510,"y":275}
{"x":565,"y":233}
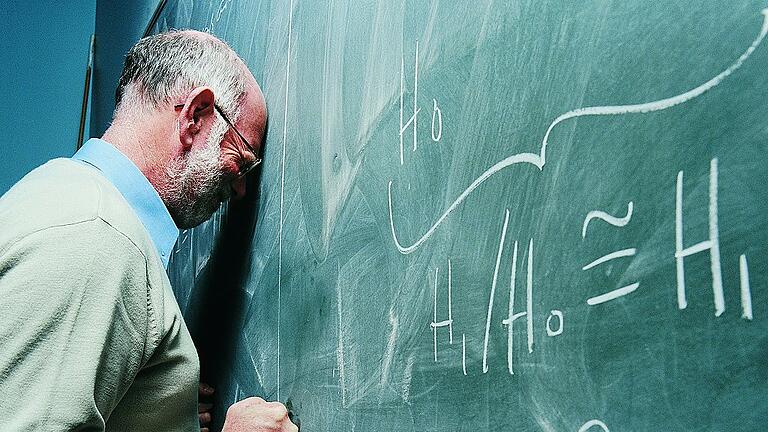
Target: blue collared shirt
{"x":137,"y":191}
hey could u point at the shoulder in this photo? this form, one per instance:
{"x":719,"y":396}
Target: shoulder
{"x":61,"y":230}
{"x":83,"y":265}
{"x":61,"y":193}
{"x":58,"y":193}
{"x":85,"y":255}
{"x":65,"y":213}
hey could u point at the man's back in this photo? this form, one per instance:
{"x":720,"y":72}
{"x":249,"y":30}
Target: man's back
{"x":91,"y":334}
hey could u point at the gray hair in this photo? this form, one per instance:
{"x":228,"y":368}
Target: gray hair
{"x":166,"y":67}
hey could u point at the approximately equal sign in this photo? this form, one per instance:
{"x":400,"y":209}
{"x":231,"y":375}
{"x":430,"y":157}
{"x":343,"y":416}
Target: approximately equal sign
{"x":617,"y":222}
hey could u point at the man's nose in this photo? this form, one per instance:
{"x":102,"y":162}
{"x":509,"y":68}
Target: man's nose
{"x":238,"y":187}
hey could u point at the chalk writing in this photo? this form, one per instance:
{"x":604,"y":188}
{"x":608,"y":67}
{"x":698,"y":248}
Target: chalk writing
{"x":340,"y":348}
{"x":617,"y":222}
{"x":618,"y":292}
{"x":588,"y":425}
{"x":282,"y":189}
{"x":613,"y":220}
{"x":511,"y":316}
{"x":609,"y":257}
{"x":416,"y":109}
{"x":464,"y":354}
{"x":539,"y":159}
{"x":216,"y":17}
{"x":435,"y":324}
{"x":712,"y":244}
{"x":436,"y":113}
{"x":528,"y":314}
{"x":559,"y":315}
{"x":412,"y":121}
{"x":746,"y":296}
{"x":555,"y":323}
{"x":493,"y":291}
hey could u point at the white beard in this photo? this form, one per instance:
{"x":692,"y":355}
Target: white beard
{"x":195,"y":186}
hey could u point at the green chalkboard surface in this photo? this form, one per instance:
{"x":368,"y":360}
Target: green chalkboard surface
{"x":493,"y":216}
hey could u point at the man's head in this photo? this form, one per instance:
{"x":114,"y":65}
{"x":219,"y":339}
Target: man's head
{"x":177,"y":95}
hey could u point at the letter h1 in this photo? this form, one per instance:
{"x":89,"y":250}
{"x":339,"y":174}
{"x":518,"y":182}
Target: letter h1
{"x":712,"y":244}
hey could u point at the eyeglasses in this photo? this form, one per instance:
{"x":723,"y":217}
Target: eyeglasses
{"x":243,"y":169}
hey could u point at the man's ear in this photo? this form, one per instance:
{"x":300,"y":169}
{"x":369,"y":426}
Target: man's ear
{"x":196,"y":117}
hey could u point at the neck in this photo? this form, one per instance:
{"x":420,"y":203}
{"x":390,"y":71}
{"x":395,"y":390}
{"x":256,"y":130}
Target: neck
{"x":142,"y":143}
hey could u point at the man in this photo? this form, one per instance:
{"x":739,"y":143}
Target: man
{"x":91,"y":337}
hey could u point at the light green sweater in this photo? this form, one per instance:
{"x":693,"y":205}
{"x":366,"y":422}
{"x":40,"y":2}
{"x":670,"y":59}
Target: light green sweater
{"x":91,"y":337}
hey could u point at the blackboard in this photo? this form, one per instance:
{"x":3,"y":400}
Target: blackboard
{"x":592,"y":172}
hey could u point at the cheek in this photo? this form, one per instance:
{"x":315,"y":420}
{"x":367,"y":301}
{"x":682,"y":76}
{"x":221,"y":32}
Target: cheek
{"x":229,"y":162}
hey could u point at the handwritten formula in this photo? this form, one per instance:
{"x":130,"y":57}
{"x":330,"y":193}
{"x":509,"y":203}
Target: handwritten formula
{"x":521,"y":267}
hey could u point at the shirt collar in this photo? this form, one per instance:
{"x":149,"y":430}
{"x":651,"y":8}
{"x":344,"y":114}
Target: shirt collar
{"x":137,"y":191}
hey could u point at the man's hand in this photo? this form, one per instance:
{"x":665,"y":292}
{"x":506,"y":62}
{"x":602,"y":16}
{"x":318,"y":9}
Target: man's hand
{"x":257,"y":415}
{"x":204,"y":392}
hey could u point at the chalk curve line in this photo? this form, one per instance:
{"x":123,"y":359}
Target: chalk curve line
{"x":530,"y":158}
{"x":662,"y":104}
{"x":613,"y":220}
{"x":539,"y":160}
{"x":588,"y":425}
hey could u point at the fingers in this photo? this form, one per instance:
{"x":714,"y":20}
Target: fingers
{"x":204,"y":407}
{"x":204,"y":418}
{"x":205,"y":390}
